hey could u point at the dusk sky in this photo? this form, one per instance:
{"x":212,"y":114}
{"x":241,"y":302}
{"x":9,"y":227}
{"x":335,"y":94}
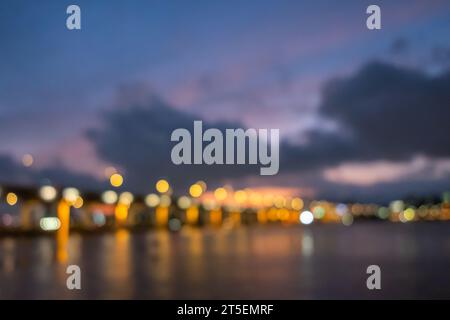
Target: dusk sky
{"x":362,"y":113}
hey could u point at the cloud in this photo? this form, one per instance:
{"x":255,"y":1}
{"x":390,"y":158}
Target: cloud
{"x":136,"y":137}
{"x":386,"y":118}
{"x":391,"y":113}
{"x":381,"y":113}
{"x":370,"y":173}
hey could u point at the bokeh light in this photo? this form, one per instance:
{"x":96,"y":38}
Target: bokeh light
{"x":152,"y":200}
{"x":11,"y":198}
{"x":240,"y":196}
{"x":196,"y":190}
{"x":184,"y":202}
{"x":306,"y":217}
{"x":220,"y":194}
{"x":162,"y":186}
{"x":48,"y":193}
{"x":71,"y":195}
{"x":126,"y":198}
{"x":50,"y":223}
{"x":109,"y":197}
{"x":27,"y":160}
{"x":297,"y":204}
{"x":78,"y":203}
{"x":116,"y":180}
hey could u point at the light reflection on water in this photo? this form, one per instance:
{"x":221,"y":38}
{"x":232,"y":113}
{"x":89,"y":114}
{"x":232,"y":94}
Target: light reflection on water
{"x":270,"y":262}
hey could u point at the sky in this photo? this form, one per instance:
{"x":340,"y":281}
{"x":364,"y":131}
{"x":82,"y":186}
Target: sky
{"x":362,"y":113}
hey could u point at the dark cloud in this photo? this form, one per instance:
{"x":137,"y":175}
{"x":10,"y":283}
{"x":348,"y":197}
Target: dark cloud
{"x":322,"y":150}
{"x":383,"y":113}
{"x":391,"y":113}
{"x":136,"y":138}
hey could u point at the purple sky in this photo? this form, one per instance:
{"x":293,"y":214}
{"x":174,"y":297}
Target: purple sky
{"x":261,"y":63}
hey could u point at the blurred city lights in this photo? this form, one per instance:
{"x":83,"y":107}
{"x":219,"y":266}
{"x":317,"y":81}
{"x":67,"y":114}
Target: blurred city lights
{"x":48,"y":193}
{"x":27,"y":160}
{"x":397,"y":206}
{"x":220,"y":194}
{"x":109,"y":197}
{"x":319,"y":212}
{"x":165,"y":201}
{"x":347,"y":219}
{"x":121,"y":212}
{"x":279,"y":202}
{"x":409,"y":214}
{"x":126,"y":198}
{"x":70,"y":195}
{"x":306,"y":217}
{"x":209,"y":204}
{"x":297,"y":204}
{"x":240,"y":196}
{"x":220,"y":207}
{"x":50,"y":223}
{"x":341,"y":209}
{"x":98,"y":218}
{"x":184,"y":202}
{"x":196,"y":190}
{"x":78,"y":203}
{"x":383,"y":213}
{"x":152,"y":200}
{"x":162,"y":186}
{"x":11,"y":198}
{"x":255,"y":199}
{"x":116,"y":180}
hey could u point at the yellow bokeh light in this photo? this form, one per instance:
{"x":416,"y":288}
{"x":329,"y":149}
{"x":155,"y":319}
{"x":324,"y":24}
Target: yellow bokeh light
{"x":192,"y":215}
{"x":297,"y":204}
{"x":279,"y":202}
{"x":116,"y":180}
{"x":196,"y":190}
{"x":240,"y":196}
{"x":11,"y":198}
{"x":121,"y":213}
{"x":220,"y":194}
{"x":78,"y":203}
{"x":162,"y":216}
{"x":409,"y":214}
{"x":162,"y":186}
